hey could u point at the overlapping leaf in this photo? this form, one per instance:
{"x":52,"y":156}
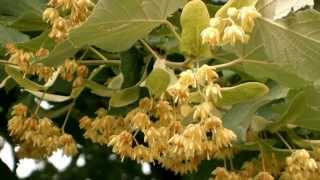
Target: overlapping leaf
{"x":116,"y":24}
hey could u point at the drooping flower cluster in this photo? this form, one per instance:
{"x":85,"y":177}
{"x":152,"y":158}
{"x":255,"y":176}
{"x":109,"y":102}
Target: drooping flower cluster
{"x":38,"y":138}
{"x":231,"y":29}
{"x":72,"y":71}
{"x":172,"y":130}
{"x":24,"y":59}
{"x":301,"y":166}
{"x":63,"y":15}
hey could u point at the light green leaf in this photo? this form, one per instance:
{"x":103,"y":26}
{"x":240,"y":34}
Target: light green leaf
{"x":194,"y":18}
{"x":116,"y":82}
{"x":115,"y":25}
{"x":157,"y":81}
{"x":293,"y":51}
{"x":23,"y":82}
{"x":125,"y":97}
{"x":286,"y":51}
{"x":50,"y":97}
{"x":242,"y":93}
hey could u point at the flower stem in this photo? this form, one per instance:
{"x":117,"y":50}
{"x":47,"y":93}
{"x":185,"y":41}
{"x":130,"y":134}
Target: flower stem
{"x":173,"y":30}
{"x":145,"y":44}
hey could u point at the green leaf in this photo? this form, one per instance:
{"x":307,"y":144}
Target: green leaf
{"x":242,"y":93}
{"x":116,"y":82}
{"x":49,"y":97}
{"x":303,"y":110}
{"x":115,"y":25}
{"x":239,"y":118}
{"x":99,"y":89}
{"x":59,"y":54}
{"x":194,"y":18}
{"x":36,"y":43}
{"x":23,"y":82}
{"x":125,"y":97}
{"x":284,"y":51}
{"x":157,"y":81}
{"x":276,"y":9}
{"x":131,"y":67}
{"x":23,"y":15}
{"x":294,"y":52}
{"x":272,"y":70}
{"x":11,"y":35}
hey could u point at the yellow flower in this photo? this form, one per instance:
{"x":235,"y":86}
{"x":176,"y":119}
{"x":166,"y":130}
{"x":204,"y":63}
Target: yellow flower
{"x":50,"y":15}
{"x":205,"y":74}
{"x":234,"y":33}
{"x":232,"y":12}
{"x":187,"y":78}
{"x":210,"y":36}
{"x":247,"y":16}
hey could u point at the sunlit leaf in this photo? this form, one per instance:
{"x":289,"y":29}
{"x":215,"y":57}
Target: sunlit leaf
{"x":242,"y":93}
{"x":157,"y":81}
{"x":125,"y":97}
{"x":115,"y":25}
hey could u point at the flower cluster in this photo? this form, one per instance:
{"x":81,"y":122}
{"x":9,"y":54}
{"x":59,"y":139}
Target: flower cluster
{"x":64,"y":15}
{"x":72,"y":71}
{"x":24,"y":59}
{"x":231,"y":29}
{"x":172,"y":130}
{"x":38,"y":138}
{"x":301,"y":166}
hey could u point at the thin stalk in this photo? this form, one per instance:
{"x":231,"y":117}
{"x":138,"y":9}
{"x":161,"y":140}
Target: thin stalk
{"x":150,"y":49}
{"x":284,"y":141}
{"x":173,"y":29}
{"x":98,"y":54}
{"x":38,"y":104}
{"x":5,"y":62}
{"x":68,"y":114}
{"x":228,"y":64}
{"x":98,"y":62}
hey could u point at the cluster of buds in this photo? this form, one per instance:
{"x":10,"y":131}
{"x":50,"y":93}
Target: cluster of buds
{"x":171,"y":130}
{"x":301,"y":166}
{"x":72,"y":71}
{"x":38,"y":138}
{"x":75,"y":12}
{"x":23,"y":59}
{"x":231,"y":29}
